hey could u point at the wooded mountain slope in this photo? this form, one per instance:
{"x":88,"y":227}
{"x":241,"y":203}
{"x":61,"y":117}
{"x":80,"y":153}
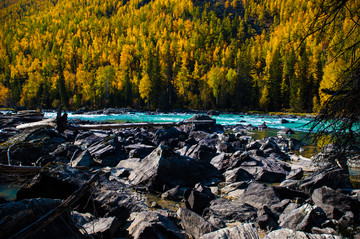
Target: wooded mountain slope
{"x":236,"y":55}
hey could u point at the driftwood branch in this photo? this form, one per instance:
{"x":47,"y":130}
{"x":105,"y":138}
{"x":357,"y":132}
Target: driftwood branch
{"x":48,"y":123}
{"x":56,"y":212}
{"x":135,"y":125}
{"x":18,"y":169}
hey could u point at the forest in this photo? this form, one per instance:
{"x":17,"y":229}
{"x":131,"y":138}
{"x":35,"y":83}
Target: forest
{"x":234,"y":55}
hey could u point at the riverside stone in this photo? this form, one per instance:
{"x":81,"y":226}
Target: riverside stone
{"x":246,"y":230}
{"x":153,"y":225}
{"x":293,"y":234}
{"x":164,"y":167}
{"x":222,"y":211}
{"x":193,"y":224}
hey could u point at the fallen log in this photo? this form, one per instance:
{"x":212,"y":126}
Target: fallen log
{"x":135,"y":125}
{"x":49,"y":123}
{"x":18,"y":169}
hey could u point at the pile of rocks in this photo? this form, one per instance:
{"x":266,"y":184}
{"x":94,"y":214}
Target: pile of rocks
{"x":226,"y":182}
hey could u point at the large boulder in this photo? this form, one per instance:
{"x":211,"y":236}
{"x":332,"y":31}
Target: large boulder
{"x":237,"y":175}
{"x":260,"y":195}
{"x":208,"y":126}
{"x":222,"y":211}
{"x":331,"y":177}
{"x":303,"y":218}
{"x":87,"y":138}
{"x":246,"y":230}
{"x":169,"y":136}
{"x":153,"y":225}
{"x":197,"y":200}
{"x":265,"y":169}
{"x":16,"y":216}
{"x":201,"y":152}
{"x":164,"y":168}
{"x":84,"y":159}
{"x":110,"y":198}
{"x":335,"y":203}
{"x":55,"y":180}
{"x":193,"y":224}
{"x":108,"y":151}
{"x":104,"y":227}
{"x":28,"y":147}
{"x":221,"y":161}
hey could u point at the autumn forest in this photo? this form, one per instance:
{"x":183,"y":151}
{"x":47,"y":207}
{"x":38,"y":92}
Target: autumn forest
{"x":164,"y":54}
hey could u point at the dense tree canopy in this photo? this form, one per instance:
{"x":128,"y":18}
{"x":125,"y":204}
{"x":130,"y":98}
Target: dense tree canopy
{"x":234,"y":54}
{"x":340,"y":87}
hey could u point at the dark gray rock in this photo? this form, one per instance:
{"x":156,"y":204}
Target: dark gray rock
{"x":278,"y":208}
{"x":130,"y":163}
{"x":173,"y":194}
{"x":81,"y":218}
{"x":263,"y":126}
{"x":330,"y":177}
{"x":221,"y":161}
{"x":237,"y":175}
{"x":7,"y":133}
{"x":295,"y":174}
{"x":265,"y":169}
{"x":32,"y":145}
{"x":153,"y":225}
{"x":260,"y":195}
{"x":193,"y":224}
{"x":253,"y":145}
{"x":270,"y":143}
{"x":303,"y":218}
{"x":103,"y":227}
{"x":65,"y":151}
{"x":201,"y":152}
{"x":15,"y":216}
{"x":84,"y":159}
{"x":55,"y":180}
{"x":288,"y":209}
{"x":200,"y":126}
{"x":292,"y":234}
{"x":250,"y":127}
{"x":246,"y":230}
{"x":110,"y":198}
{"x":139,"y":150}
{"x":224,"y":146}
{"x":119,"y":172}
{"x":222,"y":211}
{"x":108,"y":151}
{"x":286,"y":131}
{"x":164,"y":167}
{"x":284,"y":121}
{"x":286,"y":193}
{"x":197,"y":201}
{"x":334,"y":203}
{"x":169,"y":136}
{"x":266,"y":222}
{"x":327,"y":230}
{"x":85,"y":139}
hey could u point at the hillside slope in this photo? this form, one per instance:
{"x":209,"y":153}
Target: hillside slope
{"x":235,"y":55}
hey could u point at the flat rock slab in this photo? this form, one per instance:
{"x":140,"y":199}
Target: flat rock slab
{"x":291,"y":234}
{"x":247,"y":230}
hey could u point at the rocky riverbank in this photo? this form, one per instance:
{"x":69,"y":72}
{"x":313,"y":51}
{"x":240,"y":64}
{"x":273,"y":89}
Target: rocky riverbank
{"x":95,"y":183}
